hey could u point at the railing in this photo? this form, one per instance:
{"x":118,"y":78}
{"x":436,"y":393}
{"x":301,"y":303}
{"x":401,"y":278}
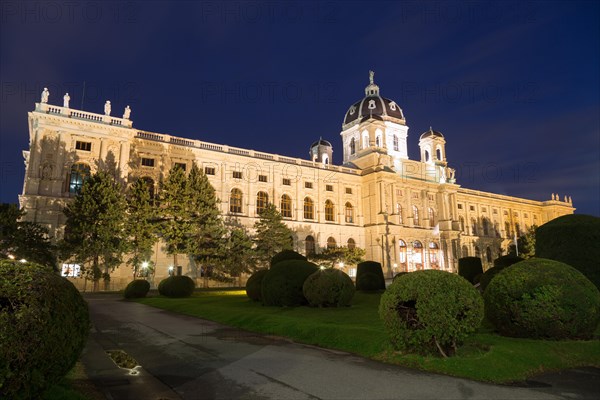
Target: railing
{"x":84,"y":115}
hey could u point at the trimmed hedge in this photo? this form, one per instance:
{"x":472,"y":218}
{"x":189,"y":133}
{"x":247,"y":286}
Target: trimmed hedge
{"x":136,"y":289}
{"x":176,"y":286}
{"x":328,"y":288}
{"x":573,"y":240}
{"x":369,"y":276}
{"x":286,"y":255}
{"x":254,"y":283}
{"x":430,"y":311}
{"x":469,"y":268}
{"x":282,"y":284}
{"x":398,"y":275}
{"x":500,"y":263}
{"x":44,"y":324}
{"x":541,"y":298}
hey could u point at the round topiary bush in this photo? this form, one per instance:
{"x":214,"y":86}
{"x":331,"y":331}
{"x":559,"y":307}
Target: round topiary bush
{"x":136,"y":289}
{"x":398,"y":275}
{"x":500,"y":263}
{"x":254,"y":284}
{"x":286,"y":255}
{"x":573,"y":240}
{"x":369,"y":276}
{"x":541,"y":298}
{"x":469,"y":268}
{"x":44,"y":323}
{"x":176,"y":286}
{"x":430,"y":311}
{"x":282,"y":284}
{"x":328,"y":287}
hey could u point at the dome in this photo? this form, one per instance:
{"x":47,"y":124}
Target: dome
{"x":321,"y":142}
{"x":430,"y":133}
{"x":372,"y":106}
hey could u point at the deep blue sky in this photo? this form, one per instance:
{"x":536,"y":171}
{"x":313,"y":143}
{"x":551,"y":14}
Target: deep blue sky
{"x":514,"y":87}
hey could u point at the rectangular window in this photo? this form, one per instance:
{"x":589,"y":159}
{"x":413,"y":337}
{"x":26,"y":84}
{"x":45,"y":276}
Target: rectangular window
{"x":495,"y":211}
{"x":183,"y":166}
{"x":209,"y":170}
{"x":308,"y":185}
{"x":415,"y":195}
{"x":85,"y":146}
{"x":147,"y":162}
{"x":399,"y":192}
{"x":348,"y":190}
{"x":329,"y":188}
{"x":484,"y":209}
{"x":237,"y":175}
{"x":472,"y":208}
{"x":262,"y":178}
{"x":525,"y":215}
{"x":430,"y":197}
{"x":460,"y":206}
{"x":287,"y":181}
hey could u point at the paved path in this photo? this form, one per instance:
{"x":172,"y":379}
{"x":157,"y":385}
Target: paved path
{"x":189,"y":358}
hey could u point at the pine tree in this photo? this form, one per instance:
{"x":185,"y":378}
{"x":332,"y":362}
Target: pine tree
{"x":239,"y":253}
{"x":94,"y":230}
{"x":175,"y":226}
{"x":140,"y":224}
{"x":272,"y":235}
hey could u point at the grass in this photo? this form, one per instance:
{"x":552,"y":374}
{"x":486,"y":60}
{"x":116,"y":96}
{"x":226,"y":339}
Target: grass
{"x":486,"y":356}
{"x":74,"y":386}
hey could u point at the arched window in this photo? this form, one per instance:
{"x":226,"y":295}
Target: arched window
{"x":309,"y":208}
{"x":78,"y":175}
{"x":378,"y":140}
{"x":331,"y":243}
{"x":349,"y":213}
{"x":325,"y":159}
{"x":286,"y":206}
{"x":365,"y":139}
{"x":426,"y":155}
{"x":235,"y":201}
{"x":415,"y":216}
{"x":329,"y":216}
{"x":433,"y":255}
{"x":431,"y":216}
{"x":497,"y":229}
{"x":399,"y":212}
{"x":352,"y":146}
{"x":465,"y":251}
{"x":351,"y":244}
{"x":262,"y":199}
{"x":417,"y":256}
{"x":485,"y":225}
{"x":402,"y":254}
{"x":488,"y":254}
{"x":439,"y":154}
{"x":149,"y":185}
{"x":462,"y":225}
{"x":474,"y":226}
{"x":396,"y":145}
{"x":309,"y":245}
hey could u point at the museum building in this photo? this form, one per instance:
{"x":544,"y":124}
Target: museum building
{"x":407,"y":214}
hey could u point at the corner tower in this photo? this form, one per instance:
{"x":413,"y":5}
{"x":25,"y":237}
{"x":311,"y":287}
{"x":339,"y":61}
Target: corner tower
{"x":374,"y":127}
{"x":433,"y":148}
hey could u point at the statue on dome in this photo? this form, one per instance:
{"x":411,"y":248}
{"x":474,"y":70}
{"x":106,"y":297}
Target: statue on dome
{"x":371,"y":76}
{"x":107,"y":108}
{"x":66,"y":99}
{"x":45,"y":95}
{"x":127,"y":113}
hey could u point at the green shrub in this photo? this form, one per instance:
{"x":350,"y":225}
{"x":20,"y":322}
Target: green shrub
{"x":500,"y":263}
{"x":44,"y":323}
{"x":282,"y":284}
{"x":573,"y":240}
{"x":430,"y":311}
{"x":398,"y":275}
{"x":176,"y":286}
{"x":469,"y":268}
{"x":286,"y":255}
{"x":254,"y":283}
{"x":136,"y":289}
{"x":328,"y":287}
{"x":540,"y":298}
{"x":369,"y":276}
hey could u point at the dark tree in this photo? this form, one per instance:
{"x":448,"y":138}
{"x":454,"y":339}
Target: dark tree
{"x":272,"y":235}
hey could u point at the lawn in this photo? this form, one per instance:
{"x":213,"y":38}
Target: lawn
{"x":357,"y":329}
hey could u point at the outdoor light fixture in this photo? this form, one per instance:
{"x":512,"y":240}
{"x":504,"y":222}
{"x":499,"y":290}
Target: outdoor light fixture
{"x":342,"y":264}
{"x":395,"y":265}
{"x":145,"y":264}
{"x":23,"y":260}
{"x":11,"y":256}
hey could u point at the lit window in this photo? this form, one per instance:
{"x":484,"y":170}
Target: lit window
{"x":415,"y":216}
{"x":235,"y":201}
{"x":331,"y":243}
{"x":262,"y":199}
{"x":309,"y":208}
{"x":351,"y":244}
{"x":349,"y":213}
{"x":79,"y":174}
{"x":329,"y":216}
{"x":286,"y":206}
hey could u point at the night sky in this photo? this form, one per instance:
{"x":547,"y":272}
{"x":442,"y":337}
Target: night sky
{"x":514,"y":87}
